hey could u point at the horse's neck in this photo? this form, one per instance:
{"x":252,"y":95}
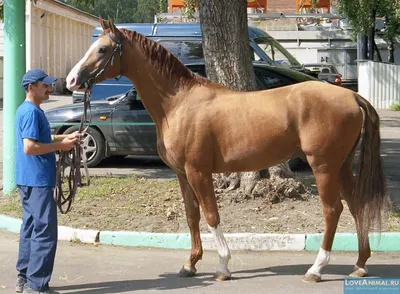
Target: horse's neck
{"x":156,"y":89}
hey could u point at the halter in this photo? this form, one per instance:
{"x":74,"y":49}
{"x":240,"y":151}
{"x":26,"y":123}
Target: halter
{"x":90,"y":82}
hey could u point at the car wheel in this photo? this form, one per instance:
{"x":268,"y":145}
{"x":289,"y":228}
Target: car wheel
{"x":93,"y":145}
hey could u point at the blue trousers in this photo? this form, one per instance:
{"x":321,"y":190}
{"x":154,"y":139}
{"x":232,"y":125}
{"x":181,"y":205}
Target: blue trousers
{"x":38,"y":236}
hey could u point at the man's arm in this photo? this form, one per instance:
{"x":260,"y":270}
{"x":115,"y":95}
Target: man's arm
{"x":32,"y":147}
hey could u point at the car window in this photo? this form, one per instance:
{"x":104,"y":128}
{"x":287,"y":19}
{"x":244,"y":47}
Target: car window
{"x":186,"y":51}
{"x":271,"y":80}
{"x":200,"y":70}
{"x":192,"y":51}
{"x":173,"y":47}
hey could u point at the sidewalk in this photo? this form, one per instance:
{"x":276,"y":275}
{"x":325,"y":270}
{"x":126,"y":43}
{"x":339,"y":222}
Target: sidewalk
{"x":103,"y":269}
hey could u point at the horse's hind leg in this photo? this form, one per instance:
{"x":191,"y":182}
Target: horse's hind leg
{"x":193,"y":218}
{"x":202,"y":185}
{"x":326,"y":177}
{"x":347,"y":187}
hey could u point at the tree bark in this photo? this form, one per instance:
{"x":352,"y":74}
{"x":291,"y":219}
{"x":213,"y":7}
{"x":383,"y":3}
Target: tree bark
{"x":371,"y":41}
{"x":228,"y":61}
{"x":226,"y":45}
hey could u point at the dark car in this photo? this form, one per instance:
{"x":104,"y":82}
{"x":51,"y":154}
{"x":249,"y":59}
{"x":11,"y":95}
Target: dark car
{"x":120,"y":125}
{"x":325,"y":72}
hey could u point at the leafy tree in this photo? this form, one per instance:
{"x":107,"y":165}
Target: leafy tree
{"x":361,"y":14}
{"x":146,"y":9}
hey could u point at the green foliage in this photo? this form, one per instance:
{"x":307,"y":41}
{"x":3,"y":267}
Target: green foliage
{"x":189,"y":9}
{"x":146,"y":9}
{"x":163,"y":6}
{"x":122,"y":11}
{"x":358,"y":14}
{"x":395,"y":107}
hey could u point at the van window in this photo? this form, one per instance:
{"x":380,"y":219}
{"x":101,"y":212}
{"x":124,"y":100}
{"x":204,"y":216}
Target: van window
{"x":186,"y":51}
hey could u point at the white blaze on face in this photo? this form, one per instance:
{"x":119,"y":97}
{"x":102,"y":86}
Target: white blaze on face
{"x":72,"y":77}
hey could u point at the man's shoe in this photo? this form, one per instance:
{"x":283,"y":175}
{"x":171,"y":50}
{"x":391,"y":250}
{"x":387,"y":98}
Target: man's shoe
{"x":28,"y":290}
{"x":19,"y":287}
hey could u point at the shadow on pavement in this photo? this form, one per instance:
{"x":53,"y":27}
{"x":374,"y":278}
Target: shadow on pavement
{"x":202,"y":280}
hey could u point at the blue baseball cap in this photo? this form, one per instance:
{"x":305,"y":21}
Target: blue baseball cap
{"x":36,"y":75}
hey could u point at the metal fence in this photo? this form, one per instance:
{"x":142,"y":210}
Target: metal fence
{"x":379,"y":83}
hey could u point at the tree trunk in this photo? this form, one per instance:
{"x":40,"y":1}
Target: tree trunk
{"x":391,"y":51}
{"x":362,"y":46}
{"x":371,"y":41}
{"x":228,"y":62}
{"x":226,"y":45}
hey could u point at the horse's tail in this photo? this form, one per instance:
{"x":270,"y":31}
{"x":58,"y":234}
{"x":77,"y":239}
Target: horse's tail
{"x":370,"y":196}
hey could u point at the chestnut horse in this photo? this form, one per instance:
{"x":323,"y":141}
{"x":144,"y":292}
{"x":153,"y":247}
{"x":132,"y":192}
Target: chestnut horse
{"x":205,"y":128}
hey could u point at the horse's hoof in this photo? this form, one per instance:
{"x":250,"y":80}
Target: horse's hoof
{"x":311,"y":278}
{"x":187,"y":272}
{"x":358,"y":272}
{"x":220,"y":276}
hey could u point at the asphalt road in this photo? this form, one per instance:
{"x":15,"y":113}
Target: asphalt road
{"x":108,"y":269}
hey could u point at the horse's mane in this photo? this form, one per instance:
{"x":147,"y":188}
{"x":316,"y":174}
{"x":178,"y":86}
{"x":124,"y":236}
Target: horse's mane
{"x":164,"y":61}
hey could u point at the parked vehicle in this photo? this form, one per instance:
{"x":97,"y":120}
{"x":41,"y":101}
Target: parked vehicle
{"x":325,"y":72}
{"x":184,"y":40}
{"x":121,"y":125}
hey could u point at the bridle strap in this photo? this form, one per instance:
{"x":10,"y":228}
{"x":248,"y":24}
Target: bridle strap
{"x":111,"y":59}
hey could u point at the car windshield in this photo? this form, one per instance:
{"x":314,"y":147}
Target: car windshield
{"x":276,"y":52}
{"x":119,"y":98}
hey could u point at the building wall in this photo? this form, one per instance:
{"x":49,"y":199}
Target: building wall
{"x":281,"y":6}
{"x":57,"y":36}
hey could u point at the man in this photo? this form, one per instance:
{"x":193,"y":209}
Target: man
{"x":35,"y":176}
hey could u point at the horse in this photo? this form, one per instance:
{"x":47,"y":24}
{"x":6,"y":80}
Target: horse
{"x":205,"y":128}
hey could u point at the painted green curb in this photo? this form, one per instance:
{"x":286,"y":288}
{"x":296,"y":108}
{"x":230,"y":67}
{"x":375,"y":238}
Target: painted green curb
{"x":388,"y":242}
{"x":143,"y":239}
{"x":10,"y":224}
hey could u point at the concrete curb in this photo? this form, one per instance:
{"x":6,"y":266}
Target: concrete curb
{"x":385,"y":242}
{"x":64,"y":233}
{"x":240,"y":241}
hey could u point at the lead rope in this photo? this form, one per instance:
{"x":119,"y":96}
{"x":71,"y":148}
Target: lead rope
{"x":73,"y":160}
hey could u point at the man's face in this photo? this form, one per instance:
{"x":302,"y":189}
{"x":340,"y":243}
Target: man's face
{"x":40,"y":91}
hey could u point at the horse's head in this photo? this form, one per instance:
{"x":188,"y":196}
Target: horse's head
{"x":102,"y":60}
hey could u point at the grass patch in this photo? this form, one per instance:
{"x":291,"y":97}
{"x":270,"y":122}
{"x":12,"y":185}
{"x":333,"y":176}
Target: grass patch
{"x":137,"y":204}
{"x":395,"y":107}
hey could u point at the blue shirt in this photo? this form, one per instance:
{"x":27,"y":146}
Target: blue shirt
{"x":33,"y":170}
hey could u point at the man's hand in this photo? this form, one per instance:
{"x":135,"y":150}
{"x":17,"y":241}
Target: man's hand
{"x":74,"y":135}
{"x":68,"y":143}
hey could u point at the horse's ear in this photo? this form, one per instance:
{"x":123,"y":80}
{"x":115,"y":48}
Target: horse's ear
{"x":110,"y":24}
{"x":103,"y":23}
{"x":113,"y":28}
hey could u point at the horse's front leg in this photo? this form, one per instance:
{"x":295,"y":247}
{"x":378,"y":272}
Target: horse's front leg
{"x":202,"y":186}
{"x":193,"y":218}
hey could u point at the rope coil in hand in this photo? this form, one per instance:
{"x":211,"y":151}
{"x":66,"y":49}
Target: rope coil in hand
{"x":72,"y":159}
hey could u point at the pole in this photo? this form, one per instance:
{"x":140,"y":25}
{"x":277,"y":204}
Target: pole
{"x":14,"y":94}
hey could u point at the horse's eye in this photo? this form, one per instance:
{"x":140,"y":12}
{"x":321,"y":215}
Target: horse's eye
{"x":102,"y":50}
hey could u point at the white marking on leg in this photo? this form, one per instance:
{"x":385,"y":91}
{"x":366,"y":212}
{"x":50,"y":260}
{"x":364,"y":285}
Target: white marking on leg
{"x":321,"y":261}
{"x":74,"y":72}
{"x":223,"y":249}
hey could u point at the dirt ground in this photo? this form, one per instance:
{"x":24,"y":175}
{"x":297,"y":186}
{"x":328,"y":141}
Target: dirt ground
{"x":138,"y":204}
